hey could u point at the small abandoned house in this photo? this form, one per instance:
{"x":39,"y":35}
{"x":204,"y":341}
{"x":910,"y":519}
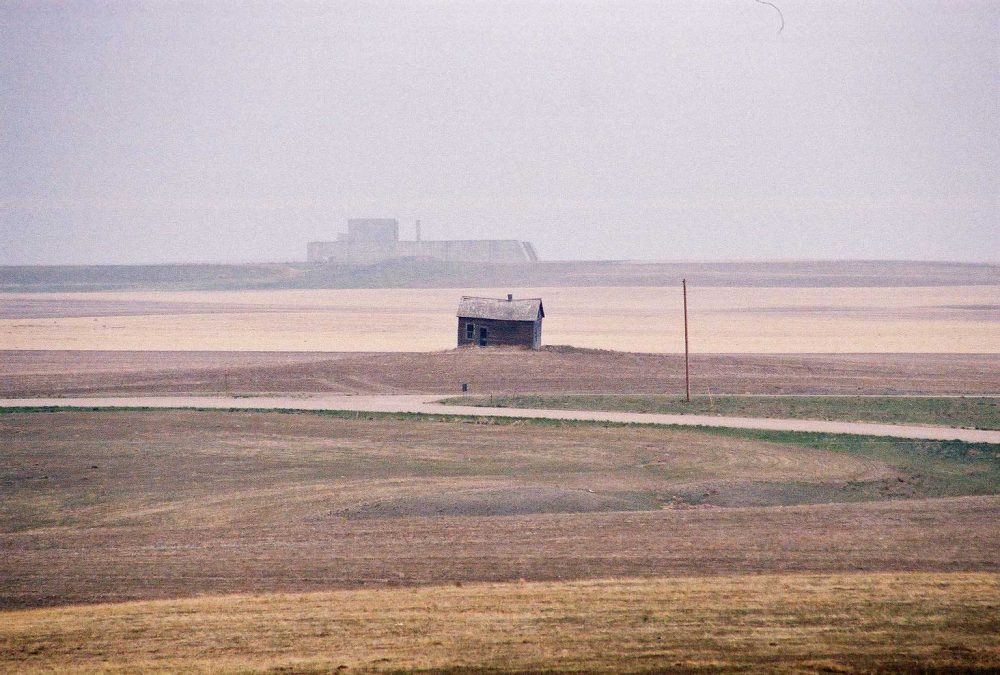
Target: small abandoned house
{"x":492,"y":322}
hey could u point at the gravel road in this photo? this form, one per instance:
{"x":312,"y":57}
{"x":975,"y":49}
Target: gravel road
{"x":426,"y":404}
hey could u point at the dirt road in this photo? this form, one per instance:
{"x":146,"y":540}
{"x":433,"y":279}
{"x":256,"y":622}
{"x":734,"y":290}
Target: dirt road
{"x":426,"y":404}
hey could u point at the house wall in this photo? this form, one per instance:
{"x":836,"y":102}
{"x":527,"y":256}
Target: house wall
{"x":501,"y":333}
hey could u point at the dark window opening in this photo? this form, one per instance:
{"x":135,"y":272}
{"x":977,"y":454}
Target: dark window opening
{"x":482,"y":337}
{"x":470,"y":331}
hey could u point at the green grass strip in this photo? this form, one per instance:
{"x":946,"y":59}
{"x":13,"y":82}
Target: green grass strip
{"x":967,"y":412}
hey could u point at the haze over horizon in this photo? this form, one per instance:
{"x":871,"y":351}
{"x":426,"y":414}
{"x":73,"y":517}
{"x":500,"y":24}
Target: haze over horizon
{"x":154,"y":132}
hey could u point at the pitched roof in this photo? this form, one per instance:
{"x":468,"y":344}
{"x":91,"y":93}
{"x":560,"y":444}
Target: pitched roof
{"x":526,"y":309}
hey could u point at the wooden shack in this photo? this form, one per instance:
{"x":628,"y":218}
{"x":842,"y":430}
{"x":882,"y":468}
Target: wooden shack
{"x":494,"y":322}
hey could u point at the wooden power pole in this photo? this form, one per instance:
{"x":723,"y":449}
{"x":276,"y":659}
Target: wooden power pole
{"x":687,"y":369}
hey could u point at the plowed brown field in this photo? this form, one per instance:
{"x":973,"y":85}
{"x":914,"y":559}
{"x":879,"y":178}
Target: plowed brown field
{"x":553,"y":370}
{"x":133,"y":505}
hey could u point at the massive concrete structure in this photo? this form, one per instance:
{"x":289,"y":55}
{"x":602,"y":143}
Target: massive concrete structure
{"x":372,"y":240}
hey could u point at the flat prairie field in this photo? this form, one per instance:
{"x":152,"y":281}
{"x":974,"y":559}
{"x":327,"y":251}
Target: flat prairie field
{"x":940,"y":319}
{"x":215,"y":541}
{"x":310,"y":542}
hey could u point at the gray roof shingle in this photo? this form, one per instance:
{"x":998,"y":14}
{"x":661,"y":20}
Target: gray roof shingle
{"x":525,"y":309}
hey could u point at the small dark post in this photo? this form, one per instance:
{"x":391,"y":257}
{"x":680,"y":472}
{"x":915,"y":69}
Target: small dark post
{"x":687,"y":369}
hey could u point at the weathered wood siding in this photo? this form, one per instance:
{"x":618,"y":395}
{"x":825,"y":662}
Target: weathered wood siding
{"x":501,"y":333}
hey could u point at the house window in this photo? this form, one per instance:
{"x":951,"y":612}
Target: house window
{"x":482,"y":337}
{"x":470,"y":331}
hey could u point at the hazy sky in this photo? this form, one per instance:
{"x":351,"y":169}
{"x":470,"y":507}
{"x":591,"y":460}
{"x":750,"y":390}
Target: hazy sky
{"x":194,"y":131}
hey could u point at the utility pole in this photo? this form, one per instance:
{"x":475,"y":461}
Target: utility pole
{"x":687,"y":369}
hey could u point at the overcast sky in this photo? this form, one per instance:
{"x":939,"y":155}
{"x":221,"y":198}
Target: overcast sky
{"x":218,"y":131}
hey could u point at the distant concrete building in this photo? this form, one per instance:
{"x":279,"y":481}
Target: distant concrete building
{"x":490,"y":322}
{"x":371,"y":229}
{"x":372,"y":240}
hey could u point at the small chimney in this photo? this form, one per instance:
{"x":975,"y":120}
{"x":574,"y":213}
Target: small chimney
{"x":510,"y":296}
{"x":418,"y":230}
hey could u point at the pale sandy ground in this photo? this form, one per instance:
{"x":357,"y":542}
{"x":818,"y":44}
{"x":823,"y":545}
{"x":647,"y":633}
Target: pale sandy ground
{"x":944,"y":319}
{"x":427,"y":405}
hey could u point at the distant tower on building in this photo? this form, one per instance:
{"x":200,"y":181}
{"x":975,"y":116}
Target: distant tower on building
{"x":418,"y":229}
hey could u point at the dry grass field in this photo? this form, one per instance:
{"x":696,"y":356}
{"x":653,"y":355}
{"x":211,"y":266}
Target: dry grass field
{"x":890,"y":622}
{"x":933,"y":319}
